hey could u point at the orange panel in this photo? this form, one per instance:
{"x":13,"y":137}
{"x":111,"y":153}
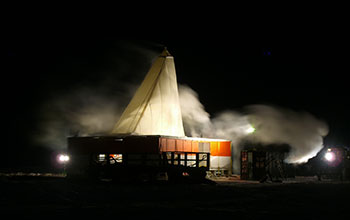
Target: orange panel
{"x":194,"y":146}
{"x":187,"y":146}
{"x":170,"y":144}
{"x":214,"y":151}
{"x":163,"y":146}
{"x":180,"y":145}
{"x":224,"y":148}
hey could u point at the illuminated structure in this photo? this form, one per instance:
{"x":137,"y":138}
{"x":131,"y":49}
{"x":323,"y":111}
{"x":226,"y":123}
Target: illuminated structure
{"x":149,"y":138}
{"x":155,"y":107}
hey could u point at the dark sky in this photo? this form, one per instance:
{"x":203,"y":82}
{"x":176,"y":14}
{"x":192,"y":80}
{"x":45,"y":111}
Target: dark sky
{"x":304,"y":74}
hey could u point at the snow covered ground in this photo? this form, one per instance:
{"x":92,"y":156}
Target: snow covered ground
{"x":52,"y":195}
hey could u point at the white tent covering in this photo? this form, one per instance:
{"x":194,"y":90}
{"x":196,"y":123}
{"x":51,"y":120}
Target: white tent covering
{"x":155,"y":107}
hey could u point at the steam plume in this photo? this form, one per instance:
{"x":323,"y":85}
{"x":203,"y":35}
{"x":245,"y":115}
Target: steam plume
{"x":301,"y":130}
{"x":93,"y":108}
{"x":195,"y":119}
{"x":82,"y":112}
{"x":274,"y":125}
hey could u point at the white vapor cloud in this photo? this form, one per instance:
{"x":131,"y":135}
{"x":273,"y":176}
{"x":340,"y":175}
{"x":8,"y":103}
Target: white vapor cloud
{"x":302,"y":131}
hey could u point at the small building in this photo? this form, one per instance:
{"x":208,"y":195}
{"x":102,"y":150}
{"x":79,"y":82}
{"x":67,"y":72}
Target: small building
{"x":148,"y":156}
{"x":259,"y":162}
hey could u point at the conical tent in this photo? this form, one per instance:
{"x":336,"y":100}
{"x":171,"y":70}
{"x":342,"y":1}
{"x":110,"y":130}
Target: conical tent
{"x":155,"y":107}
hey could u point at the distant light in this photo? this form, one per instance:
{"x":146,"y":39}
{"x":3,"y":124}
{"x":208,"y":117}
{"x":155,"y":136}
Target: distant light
{"x":63,"y":158}
{"x":250,"y":130}
{"x":101,"y":157}
{"x":329,"y":156}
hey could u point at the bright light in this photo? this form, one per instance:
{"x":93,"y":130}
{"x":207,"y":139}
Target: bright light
{"x":250,"y":130}
{"x":329,"y":156}
{"x":62,"y":158}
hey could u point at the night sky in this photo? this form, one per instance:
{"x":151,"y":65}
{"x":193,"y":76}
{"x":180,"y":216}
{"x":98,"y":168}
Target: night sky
{"x":307,"y":74}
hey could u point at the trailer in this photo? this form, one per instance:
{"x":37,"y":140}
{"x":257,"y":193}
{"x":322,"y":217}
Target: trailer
{"x":146,"y":157}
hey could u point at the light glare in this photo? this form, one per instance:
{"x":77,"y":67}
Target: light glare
{"x":63,"y":158}
{"x":250,"y":130}
{"x":329,"y":156}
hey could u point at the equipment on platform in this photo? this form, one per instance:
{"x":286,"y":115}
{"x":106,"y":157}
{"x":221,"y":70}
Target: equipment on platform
{"x":143,"y":157}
